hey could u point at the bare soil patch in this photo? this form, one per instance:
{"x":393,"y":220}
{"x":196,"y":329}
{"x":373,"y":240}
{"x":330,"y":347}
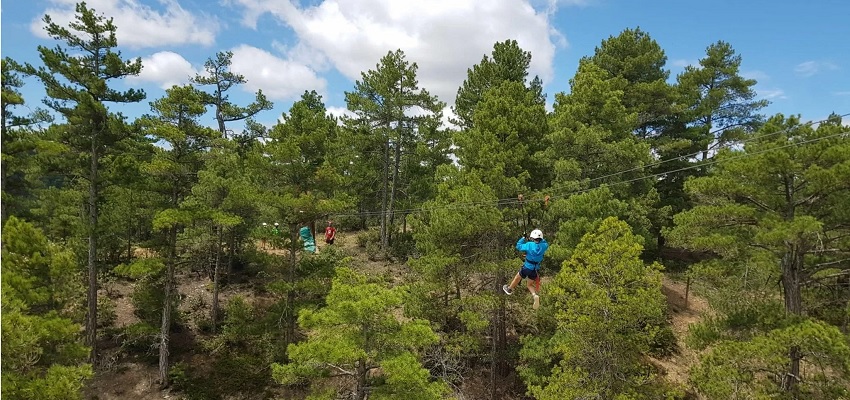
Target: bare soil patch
{"x":682,"y":315}
{"x":132,"y":381}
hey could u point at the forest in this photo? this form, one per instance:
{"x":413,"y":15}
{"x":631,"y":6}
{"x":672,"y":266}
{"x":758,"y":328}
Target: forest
{"x":172,"y":248}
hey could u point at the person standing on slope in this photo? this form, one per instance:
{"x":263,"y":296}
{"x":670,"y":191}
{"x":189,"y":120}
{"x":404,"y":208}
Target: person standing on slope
{"x":534,"y":251}
{"x":330,"y":233}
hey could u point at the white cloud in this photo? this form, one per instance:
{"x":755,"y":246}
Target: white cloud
{"x":760,"y":76}
{"x":772,"y":94}
{"x":810,"y":68}
{"x":553,"y":5}
{"x":842,"y":93}
{"x":339,"y":112}
{"x":278,"y":78}
{"x":444,"y":37}
{"x":165,"y":68}
{"x":302,"y":54}
{"x":682,"y":63}
{"x":140,"y":25}
{"x":448,"y":115}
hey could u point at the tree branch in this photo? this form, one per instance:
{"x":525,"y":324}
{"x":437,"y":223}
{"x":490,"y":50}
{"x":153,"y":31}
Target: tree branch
{"x":825,"y":277}
{"x":340,"y":369}
{"x":763,"y":247}
{"x":758,"y":204}
{"x":826,"y":264}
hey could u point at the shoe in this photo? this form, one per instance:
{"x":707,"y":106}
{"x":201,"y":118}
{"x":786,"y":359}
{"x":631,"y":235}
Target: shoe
{"x":536,"y":302}
{"x":507,"y":289}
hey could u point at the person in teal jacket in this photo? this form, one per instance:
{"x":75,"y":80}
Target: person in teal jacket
{"x":307,"y":238}
{"x":534,"y":251}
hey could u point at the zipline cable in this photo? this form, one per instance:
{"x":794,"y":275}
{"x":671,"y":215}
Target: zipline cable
{"x":687,"y":156}
{"x":512,"y":201}
{"x":712,"y":162}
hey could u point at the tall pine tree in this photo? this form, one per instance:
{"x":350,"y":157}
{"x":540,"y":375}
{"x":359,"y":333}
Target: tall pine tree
{"x":391,"y":107}
{"x":76,"y":78}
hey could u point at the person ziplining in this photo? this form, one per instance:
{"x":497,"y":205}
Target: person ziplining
{"x":534,"y":251}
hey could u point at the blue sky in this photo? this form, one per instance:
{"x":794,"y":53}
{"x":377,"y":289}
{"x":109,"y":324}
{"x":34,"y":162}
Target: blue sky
{"x":798,"y":51}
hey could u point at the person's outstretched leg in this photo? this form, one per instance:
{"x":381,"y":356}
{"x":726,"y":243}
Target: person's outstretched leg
{"x":509,"y":289}
{"x":531,"y":288}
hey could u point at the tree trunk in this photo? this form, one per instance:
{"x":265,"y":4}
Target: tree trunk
{"x":792,"y":269}
{"x":500,"y":328}
{"x":215,"y":281}
{"x":165,"y":328}
{"x":91,"y":318}
{"x":289,"y":336}
{"x":384,"y":195}
{"x":231,"y":248}
{"x":360,"y":385}
{"x":497,"y":364}
{"x":396,"y":167}
{"x":495,"y":345}
{"x":792,"y":265}
{"x":129,"y":241}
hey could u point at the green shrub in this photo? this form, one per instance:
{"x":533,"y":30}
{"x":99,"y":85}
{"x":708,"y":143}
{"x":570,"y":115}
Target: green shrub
{"x":105,"y":312}
{"x":373,"y":251}
{"x":179,"y":376}
{"x":664,"y":343}
{"x":140,"y":338}
{"x":402,"y":246}
{"x":370,"y":236}
{"x":147,"y":298}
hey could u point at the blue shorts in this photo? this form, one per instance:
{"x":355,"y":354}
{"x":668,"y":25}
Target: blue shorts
{"x":528,"y":273}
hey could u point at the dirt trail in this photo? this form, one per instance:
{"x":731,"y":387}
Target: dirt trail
{"x":682,"y":315}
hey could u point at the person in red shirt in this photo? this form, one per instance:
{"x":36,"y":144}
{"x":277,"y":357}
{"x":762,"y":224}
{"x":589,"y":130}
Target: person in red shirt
{"x":330,"y":233}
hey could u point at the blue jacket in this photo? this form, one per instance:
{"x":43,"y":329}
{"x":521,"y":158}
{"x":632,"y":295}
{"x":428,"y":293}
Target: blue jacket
{"x":533,"y":252}
{"x":307,"y":238}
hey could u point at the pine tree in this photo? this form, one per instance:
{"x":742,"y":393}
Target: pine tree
{"x":503,"y":150}
{"x":591,"y":134}
{"x":714,"y":106}
{"x":504,"y":145}
{"x":593,"y":151}
{"x":461,"y":269}
{"x":357,"y":333}
{"x":43,"y":355}
{"x":773,"y":209}
{"x":302,"y":177}
{"x":76,"y":79}
{"x":176,"y":165}
{"x":721,"y":103}
{"x":219,"y":76}
{"x":21,"y":141}
{"x":384,"y":101}
{"x":507,"y":62}
{"x":219,"y":199}
{"x":639,"y":60}
{"x":758,"y":368}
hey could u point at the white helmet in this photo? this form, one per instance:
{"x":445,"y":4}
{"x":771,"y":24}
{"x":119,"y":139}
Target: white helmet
{"x":536,"y":234}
